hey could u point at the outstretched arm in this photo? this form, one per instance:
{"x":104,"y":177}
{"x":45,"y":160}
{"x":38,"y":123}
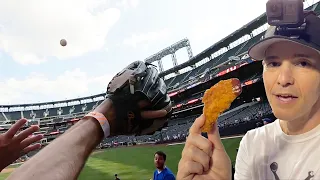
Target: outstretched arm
{"x":64,"y":158}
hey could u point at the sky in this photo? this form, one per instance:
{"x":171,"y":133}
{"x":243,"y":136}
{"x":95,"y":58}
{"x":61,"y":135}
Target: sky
{"x":103,"y":37}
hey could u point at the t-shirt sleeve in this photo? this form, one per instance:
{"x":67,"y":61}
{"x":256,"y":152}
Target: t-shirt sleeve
{"x":242,"y":168}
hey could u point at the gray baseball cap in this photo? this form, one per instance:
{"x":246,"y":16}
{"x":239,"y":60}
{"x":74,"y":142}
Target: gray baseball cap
{"x":310,"y":37}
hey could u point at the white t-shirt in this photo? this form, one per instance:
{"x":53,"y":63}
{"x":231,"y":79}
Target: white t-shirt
{"x":268,"y":153}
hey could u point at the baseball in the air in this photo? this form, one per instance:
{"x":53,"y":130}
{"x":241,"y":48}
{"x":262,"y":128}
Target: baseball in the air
{"x":63,"y":42}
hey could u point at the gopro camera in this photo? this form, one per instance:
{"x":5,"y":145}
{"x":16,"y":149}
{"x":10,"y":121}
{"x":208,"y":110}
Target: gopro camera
{"x":285,"y":13}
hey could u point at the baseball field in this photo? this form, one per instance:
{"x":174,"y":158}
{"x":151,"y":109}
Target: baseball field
{"x":132,"y":163}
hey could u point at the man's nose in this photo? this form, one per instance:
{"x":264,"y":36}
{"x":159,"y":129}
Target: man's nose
{"x":285,"y":77}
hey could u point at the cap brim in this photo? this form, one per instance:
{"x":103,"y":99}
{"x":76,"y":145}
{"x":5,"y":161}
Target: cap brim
{"x":258,"y":51}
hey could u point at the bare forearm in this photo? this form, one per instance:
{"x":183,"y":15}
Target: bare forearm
{"x":64,"y":158}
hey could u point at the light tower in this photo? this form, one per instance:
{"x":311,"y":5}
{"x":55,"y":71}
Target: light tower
{"x":171,"y":50}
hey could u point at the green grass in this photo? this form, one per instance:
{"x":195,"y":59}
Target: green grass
{"x":14,"y":166}
{"x":231,"y":145}
{"x":4,"y":175}
{"x":129,"y":163}
{"x":136,"y":162}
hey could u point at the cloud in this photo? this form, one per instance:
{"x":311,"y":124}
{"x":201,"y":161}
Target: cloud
{"x":216,"y":22}
{"x":145,"y":38}
{"x":134,"y":3}
{"x":126,"y":4}
{"x":30,"y":31}
{"x":38,"y":87}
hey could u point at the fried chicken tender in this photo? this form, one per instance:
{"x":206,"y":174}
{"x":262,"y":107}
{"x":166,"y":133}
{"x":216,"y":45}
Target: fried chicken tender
{"x":218,"y":98}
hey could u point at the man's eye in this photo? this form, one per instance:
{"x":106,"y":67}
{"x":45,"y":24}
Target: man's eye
{"x":304,"y":64}
{"x":273,"y":64}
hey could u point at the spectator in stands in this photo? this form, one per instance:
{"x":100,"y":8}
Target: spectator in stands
{"x":162,"y":172}
{"x":13,"y":145}
{"x":287,"y":148}
{"x":65,"y":156}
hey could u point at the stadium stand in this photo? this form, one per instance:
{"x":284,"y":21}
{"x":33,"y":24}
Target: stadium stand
{"x":186,"y":91}
{"x":212,"y":64}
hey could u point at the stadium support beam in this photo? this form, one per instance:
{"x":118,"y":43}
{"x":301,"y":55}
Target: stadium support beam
{"x":174,"y":59}
{"x":190,"y":54}
{"x":171,"y":50}
{"x":160,"y":65}
{"x":5,"y":117}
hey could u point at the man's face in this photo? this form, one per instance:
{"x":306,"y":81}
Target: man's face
{"x":159,"y":161}
{"x":292,"y":80}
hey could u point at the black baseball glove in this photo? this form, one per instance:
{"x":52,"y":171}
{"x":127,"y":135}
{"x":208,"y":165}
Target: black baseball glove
{"x":138,"y":82}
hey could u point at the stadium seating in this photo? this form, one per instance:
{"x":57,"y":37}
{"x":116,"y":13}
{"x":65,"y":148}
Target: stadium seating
{"x":66,"y":112}
{"x":238,"y":119}
{"x":178,"y":128}
{"x":240,"y":49}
